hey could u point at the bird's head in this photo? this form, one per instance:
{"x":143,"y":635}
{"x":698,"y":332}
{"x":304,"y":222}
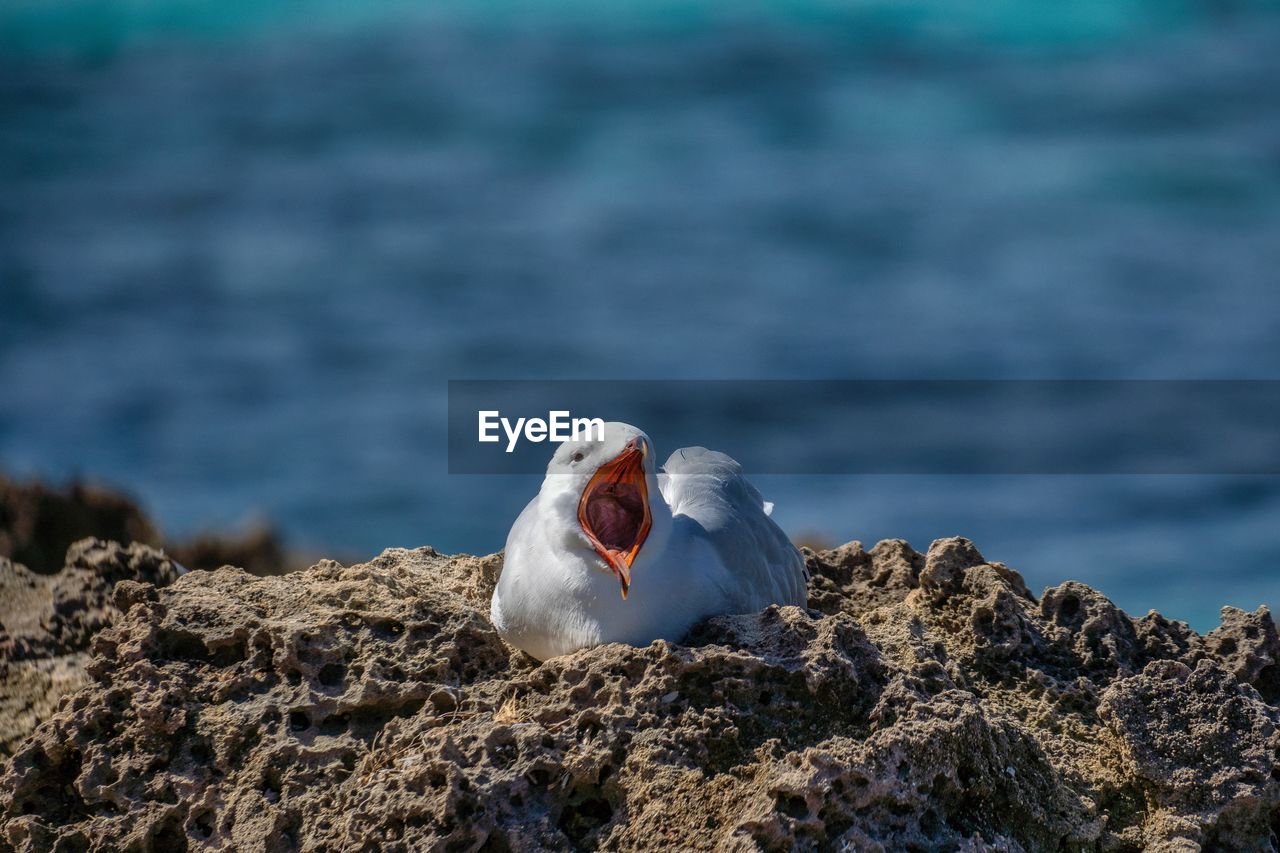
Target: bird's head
{"x":605,"y":484}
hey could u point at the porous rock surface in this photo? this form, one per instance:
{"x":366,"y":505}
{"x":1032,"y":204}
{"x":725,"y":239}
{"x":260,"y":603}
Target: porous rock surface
{"x":923,"y":702}
{"x":47,"y":621}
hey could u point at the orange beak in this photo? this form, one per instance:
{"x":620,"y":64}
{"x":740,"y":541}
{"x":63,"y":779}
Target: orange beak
{"x":614,"y":511}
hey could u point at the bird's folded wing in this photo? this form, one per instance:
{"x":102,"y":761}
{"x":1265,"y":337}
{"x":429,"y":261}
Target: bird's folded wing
{"x":709,"y":487}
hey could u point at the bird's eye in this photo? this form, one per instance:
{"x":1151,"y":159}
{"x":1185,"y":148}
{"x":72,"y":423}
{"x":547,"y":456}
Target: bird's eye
{"x":577,"y":457}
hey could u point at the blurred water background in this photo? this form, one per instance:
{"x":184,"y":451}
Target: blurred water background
{"x":244,"y":245}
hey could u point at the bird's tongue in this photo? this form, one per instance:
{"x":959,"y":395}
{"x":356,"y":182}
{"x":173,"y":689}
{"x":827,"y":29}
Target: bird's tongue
{"x":618,"y":560}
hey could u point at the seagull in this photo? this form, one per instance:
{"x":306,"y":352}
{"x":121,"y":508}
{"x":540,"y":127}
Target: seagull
{"x":611,"y":551}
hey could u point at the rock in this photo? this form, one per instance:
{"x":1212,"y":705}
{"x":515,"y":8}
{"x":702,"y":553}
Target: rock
{"x":946,"y":565}
{"x":49,"y":620}
{"x":923,"y":702}
{"x":1250,"y":649}
{"x":1202,"y":748}
{"x":38,"y":523}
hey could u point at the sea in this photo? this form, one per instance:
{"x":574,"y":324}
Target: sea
{"x":245,"y":246}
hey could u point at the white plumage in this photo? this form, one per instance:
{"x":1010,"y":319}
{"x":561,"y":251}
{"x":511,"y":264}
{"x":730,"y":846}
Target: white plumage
{"x":580,"y":569}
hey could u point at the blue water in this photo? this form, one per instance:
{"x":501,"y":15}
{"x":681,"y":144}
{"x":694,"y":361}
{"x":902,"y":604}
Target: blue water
{"x":243,"y":247}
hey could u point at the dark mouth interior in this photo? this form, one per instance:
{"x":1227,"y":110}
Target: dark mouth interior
{"x":615,"y":512}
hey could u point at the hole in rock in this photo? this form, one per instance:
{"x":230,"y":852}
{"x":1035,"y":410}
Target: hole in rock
{"x":836,"y":820}
{"x":331,"y":674}
{"x":290,"y":830}
{"x":271,"y":785}
{"x":201,"y":753}
{"x":230,"y":654}
{"x":299,"y":721}
{"x":503,"y":755}
{"x":170,"y":837}
{"x":182,"y":645}
{"x":539,"y":777}
{"x":56,"y":798}
{"x":262,"y":654}
{"x":793,"y":806}
{"x":580,"y":819}
{"x":388,"y":628}
{"x":334,"y":724}
{"x":376,"y":717}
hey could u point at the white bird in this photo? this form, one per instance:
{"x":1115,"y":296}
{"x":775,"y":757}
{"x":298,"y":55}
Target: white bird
{"x":692,"y":542}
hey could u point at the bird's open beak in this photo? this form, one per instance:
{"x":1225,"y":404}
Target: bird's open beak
{"x":614,"y":510}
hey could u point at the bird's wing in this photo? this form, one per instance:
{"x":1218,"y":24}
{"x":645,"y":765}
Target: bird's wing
{"x":709,"y":488}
